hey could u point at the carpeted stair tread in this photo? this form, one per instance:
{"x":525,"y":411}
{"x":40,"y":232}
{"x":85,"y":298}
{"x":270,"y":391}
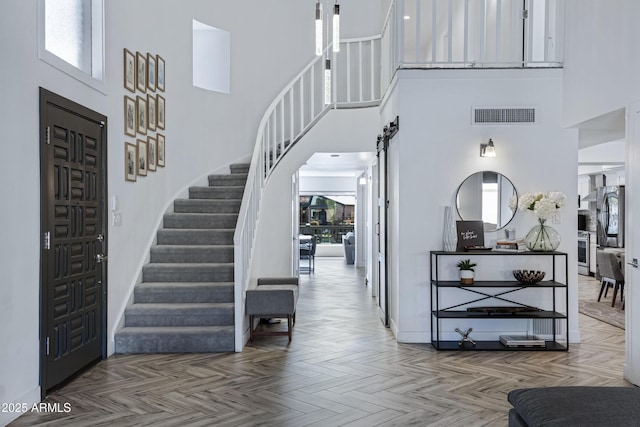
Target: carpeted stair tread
{"x":179,"y":314}
{"x":192,"y":254}
{"x":184,"y":292}
{"x":202,"y":272}
{"x":239,"y":179}
{"x":175,"y":339}
{"x":207,"y":205}
{"x":200,"y":220}
{"x":195,"y":236}
{"x":239,"y":168}
{"x":218,"y":192}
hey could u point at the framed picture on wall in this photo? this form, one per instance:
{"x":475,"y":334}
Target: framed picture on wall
{"x":141,"y":115}
{"x":161,"y":151}
{"x":129,"y":70}
{"x":160,"y":73}
{"x":152,"y":156}
{"x":161,"y":108}
{"x":129,"y":116}
{"x":151,"y":72}
{"x":151,"y":112}
{"x":141,"y":74}
{"x":142,"y":158}
{"x":130,"y":157}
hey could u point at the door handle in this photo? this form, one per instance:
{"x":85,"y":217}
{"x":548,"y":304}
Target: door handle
{"x":101,"y":258}
{"x":634,"y":263}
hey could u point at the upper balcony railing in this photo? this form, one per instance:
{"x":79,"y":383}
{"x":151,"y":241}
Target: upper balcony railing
{"x":474,"y":34}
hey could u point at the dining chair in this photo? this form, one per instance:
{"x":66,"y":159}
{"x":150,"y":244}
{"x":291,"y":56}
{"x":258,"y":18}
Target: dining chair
{"x":610,"y":276}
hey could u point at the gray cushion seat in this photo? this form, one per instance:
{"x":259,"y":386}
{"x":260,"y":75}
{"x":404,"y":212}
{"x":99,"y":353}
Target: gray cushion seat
{"x":274,"y":297}
{"x":575,"y":406}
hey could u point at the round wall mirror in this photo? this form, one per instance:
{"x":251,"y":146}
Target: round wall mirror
{"x":485,"y":196}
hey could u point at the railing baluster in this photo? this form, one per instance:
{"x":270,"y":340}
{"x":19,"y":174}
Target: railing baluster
{"x":529,"y":49}
{"x":348,"y":72}
{"x":434,"y":34}
{"x":301,"y":102}
{"x":498,"y":31}
{"x":372,"y":70}
{"x":417,"y":30}
{"x":547,"y":39}
{"x":450,"y":33}
{"x":483,"y":31}
{"x":360,"y":89}
{"x":465,"y":42}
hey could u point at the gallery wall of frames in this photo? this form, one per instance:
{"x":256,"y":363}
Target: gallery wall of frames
{"x":144,"y":114}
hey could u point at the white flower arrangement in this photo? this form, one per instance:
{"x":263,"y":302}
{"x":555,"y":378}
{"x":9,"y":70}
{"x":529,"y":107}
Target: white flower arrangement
{"x":541,"y":204}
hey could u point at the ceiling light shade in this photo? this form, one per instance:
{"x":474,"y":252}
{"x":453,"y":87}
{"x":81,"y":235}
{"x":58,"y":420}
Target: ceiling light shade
{"x":488,"y":150}
{"x":336,"y":28}
{"x":327,"y":81}
{"x":319,"y":37}
{"x":362,"y":180}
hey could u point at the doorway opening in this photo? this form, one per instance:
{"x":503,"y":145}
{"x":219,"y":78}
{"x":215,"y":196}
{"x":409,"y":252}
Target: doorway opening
{"x":332,"y":209}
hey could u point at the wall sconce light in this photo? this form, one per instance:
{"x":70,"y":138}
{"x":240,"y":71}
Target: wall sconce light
{"x":488,"y":150}
{"x":319,"y":35}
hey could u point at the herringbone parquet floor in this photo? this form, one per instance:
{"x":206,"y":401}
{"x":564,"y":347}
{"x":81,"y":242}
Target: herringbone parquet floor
{"x":341,"y":369}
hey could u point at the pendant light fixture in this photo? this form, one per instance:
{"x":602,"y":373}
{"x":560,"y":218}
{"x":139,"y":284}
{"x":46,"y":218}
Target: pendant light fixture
{"x":327,"y":81}
{"x":319,"y":37}
{"x":336,"y":27}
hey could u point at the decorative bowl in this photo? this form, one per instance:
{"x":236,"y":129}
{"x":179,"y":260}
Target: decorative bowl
{"x":528,"y":276}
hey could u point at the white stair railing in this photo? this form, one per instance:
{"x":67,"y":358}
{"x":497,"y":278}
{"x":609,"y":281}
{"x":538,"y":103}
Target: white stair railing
{"x":296,"y":109}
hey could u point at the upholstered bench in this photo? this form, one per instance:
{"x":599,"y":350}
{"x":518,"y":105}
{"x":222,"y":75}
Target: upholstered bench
{"x":575,"y":406}
{"x":273,"y":297}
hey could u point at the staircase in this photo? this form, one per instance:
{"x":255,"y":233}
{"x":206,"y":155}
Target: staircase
{"x":185,"y":301}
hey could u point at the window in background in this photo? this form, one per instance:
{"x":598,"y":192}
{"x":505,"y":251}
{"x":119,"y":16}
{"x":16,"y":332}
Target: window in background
{"x":71,"y":38}
{"x":211,"y":58}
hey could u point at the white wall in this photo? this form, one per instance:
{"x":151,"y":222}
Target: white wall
{"x":601,"y":64}
{"x":328,"y":184}
{"x":437,"y":148}
{"x":204,"y":133}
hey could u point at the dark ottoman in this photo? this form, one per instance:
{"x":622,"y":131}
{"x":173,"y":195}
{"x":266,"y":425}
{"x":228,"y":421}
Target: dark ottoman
{"x":575,"y":406}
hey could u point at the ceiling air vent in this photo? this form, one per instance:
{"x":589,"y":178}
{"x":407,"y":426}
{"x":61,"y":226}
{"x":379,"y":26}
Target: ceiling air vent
{"x":482,"y":116}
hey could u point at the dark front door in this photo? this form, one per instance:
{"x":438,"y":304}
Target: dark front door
{"x":73,"y":270}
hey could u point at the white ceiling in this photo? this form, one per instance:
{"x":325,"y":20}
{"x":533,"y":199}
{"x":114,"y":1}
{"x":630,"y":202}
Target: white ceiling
{"x":336,"y":164}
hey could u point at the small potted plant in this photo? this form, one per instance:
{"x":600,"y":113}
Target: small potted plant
{"x":466,"y":271}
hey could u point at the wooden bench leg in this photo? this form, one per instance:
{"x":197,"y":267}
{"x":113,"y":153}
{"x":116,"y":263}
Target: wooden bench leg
{"x":289,"y":325}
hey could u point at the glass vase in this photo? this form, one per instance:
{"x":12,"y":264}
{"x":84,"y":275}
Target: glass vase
{"x":449,"y":236}
{"x":542,"y":238}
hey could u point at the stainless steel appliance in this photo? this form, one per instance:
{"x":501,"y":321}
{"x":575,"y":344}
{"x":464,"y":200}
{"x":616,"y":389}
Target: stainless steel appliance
{"x":610,"y":216}
{"x":583,"y":253}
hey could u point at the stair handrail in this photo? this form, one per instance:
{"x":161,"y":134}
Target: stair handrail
{"x":283,"y":124}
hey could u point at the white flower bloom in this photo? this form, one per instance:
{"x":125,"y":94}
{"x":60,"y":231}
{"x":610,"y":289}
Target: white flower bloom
{"x":542,"y":204}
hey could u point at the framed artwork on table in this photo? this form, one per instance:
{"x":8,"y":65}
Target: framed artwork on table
{"x":161,"y":108}
{"x":151,"y":112}
{"x":152,"y":155}
{"x":130,"y":158}
{"x":151,"y":72}
{"x":142,"y":164}
{"x":470,"y":235}
{"x":129,"y":116}
{"x":160,"y":73}
{"x":161,"y":150}
{"x":129,"y":70}
{"x":141,"y":115}
{"x":141,"y":74}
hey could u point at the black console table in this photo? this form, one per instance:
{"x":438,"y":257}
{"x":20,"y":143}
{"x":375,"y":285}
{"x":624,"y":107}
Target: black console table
{"x":497,"y":294}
